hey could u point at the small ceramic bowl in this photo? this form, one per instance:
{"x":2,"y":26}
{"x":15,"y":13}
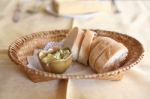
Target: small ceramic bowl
{"x":57,"y":66}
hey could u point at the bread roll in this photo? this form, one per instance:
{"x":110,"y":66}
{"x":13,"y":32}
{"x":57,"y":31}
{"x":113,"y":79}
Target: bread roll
{"x":85,"y":47}
{"x":111,"y":58}
{"x":74,"y":40}
{"x":98,"y":45}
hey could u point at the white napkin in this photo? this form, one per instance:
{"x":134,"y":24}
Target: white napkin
{"x":75,"y":68}
{"x":33,"y":61}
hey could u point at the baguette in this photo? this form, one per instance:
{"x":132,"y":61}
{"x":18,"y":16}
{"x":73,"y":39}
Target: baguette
{"x":111,"y":58}
{"x":73,"y":41}
{"x":85,"y":47}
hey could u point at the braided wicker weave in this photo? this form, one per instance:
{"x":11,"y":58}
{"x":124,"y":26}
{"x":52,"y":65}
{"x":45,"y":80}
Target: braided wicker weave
{"x":24,"y":46}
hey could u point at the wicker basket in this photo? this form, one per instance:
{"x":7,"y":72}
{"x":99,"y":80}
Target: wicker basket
{"x":24,"y":46}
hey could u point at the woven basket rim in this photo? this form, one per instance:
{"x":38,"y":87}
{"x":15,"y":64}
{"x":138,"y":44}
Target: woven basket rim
{"x":67,"y":76}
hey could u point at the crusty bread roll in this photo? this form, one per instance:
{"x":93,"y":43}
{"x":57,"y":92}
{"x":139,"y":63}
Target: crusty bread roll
{"x":85,"y":47}
{"x":111,"y":58}
{"x":73,"y":41}
{"x":98,"y":45}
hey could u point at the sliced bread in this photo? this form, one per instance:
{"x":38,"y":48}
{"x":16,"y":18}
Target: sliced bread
{"x":73,"y":41}
{"x":98,"y":45}
{"x":111,"y":58}
{"x":85,"y":47}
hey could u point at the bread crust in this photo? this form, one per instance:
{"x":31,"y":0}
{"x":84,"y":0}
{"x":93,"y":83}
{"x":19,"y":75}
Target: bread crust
{"x":111,"y":58}
{"x":97,"y":47}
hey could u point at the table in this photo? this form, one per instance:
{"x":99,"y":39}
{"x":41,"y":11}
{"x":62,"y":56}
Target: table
{"x":133,"y":20}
